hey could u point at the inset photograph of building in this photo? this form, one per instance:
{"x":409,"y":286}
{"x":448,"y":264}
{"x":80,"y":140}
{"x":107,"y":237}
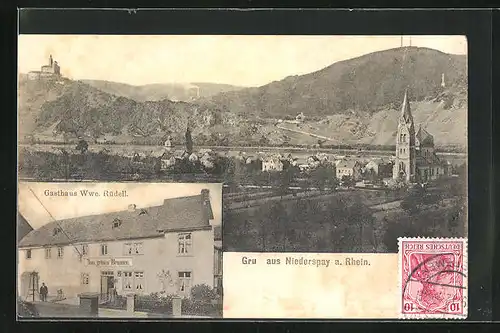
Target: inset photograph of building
{"x":119,"y":250}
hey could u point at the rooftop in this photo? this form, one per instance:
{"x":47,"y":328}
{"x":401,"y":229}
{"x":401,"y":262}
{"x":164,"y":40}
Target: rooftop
{"x":424,"y":137}
{"x":176,"y":214}
{"x":23,"y":227}
{"x":347,"y":164}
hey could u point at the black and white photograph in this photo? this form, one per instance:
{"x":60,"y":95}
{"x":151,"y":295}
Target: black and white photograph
{"x":322,"y":143}
{"x":119,"y":250}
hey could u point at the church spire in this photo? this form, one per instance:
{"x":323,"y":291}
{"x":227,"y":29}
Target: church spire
{"x":405,"y":109}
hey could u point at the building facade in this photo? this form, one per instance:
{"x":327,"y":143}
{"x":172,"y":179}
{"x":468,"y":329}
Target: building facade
{"x":272,"y":164}
{"x":380,"y":167}
{"x":348,"y":168}
{"x":416,"y":159}
{"x":168,"y":248}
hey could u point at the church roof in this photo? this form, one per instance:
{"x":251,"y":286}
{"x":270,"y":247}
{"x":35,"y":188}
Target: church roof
{"x":432,"y":160}
{"x":405,"y":109}
{"x":424,"y":137}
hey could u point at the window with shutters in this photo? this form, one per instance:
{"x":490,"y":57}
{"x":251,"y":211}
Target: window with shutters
{"x":185,"y":279}
{"x":137,"y":248}
{"x":133,"y":281}
{"x":127,"y":248}
{"x":85,"y":249}
{"x":133,"y":248}
{"x":48,"y":253}
{"x":185,"y":244}
{"x":139,"y":281}
{"x":85,"y":278}
{"x":128,"y":281}
{"x":60,"y":252}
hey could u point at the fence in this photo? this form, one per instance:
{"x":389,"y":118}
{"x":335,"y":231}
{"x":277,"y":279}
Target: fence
{"x":166,"y":305}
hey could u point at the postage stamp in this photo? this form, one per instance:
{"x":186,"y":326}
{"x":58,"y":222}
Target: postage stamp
{"x":433,"y":278}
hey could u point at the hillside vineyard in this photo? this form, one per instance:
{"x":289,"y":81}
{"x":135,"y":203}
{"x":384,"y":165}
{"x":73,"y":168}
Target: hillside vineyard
{"x":337,"y":102}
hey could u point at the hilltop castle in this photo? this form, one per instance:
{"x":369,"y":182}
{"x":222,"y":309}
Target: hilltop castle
{"x":52,"y":70}
{"x":416,"y":159}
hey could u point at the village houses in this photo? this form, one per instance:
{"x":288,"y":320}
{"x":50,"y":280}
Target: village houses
{"x":348,"y":168}
{"x":168,"y":248}
{"x":381,"y":167}
{"x":272,"y":164}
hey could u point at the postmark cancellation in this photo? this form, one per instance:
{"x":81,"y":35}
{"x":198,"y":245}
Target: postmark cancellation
{"x":433,"y":278}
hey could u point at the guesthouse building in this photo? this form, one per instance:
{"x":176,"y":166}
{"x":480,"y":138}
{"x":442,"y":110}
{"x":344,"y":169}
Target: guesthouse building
{"x":167,"y":248}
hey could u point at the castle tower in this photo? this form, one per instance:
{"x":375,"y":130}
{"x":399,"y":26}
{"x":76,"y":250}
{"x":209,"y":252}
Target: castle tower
{"x":443,"y":84}
{"x":51,"y":61}
{"x":405,"y":163}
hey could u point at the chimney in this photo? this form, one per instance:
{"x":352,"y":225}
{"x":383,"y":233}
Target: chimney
{"x":205,"y":201}
{"x":205,"y":193}
{"x":131,"y":207}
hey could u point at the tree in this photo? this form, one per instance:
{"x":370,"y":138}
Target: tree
{"x":412,"y":203}
{"x":286,"y":177}
{"x":263,"y":141}
{"x":348,"y":181}
{"x":277,"y":220}
{"x":321,"y":176}
{"x":370,"y":175}
{"x":361,"y":216}
{"x":82,"y":146}
{"x":189,"y":141}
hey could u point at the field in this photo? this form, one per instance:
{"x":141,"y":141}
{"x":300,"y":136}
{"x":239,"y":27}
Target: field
{"x":342,"y":221}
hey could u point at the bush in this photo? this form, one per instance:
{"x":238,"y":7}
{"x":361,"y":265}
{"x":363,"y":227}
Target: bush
{"x":154,"y":302}
{"x":203,"y":293}
{"x":200,"y":308}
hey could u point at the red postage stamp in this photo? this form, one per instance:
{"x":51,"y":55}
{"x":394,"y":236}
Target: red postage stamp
{"x":433,"y":278}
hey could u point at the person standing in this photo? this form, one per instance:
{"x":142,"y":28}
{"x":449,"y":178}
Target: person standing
{"x":43,"y":292}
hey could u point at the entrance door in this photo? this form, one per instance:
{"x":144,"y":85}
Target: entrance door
{"x":104,"y":285}
{"x":29,"y":287}
{"x":107,"y":278}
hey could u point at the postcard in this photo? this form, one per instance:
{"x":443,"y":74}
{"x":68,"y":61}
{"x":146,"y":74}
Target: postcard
{"x":341,"y":161}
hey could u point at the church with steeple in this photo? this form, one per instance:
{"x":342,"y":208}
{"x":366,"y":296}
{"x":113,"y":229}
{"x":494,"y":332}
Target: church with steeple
{"x":416,"y":159}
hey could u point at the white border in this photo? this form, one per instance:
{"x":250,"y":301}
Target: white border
{"x":465,"y":281}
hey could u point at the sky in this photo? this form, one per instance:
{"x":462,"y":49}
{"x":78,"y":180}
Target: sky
{"x":237,"y":60}
{"x":36,"y":211}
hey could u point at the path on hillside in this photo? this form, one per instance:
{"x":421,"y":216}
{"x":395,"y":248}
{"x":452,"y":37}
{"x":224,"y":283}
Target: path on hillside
{"x":305,"y":133}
